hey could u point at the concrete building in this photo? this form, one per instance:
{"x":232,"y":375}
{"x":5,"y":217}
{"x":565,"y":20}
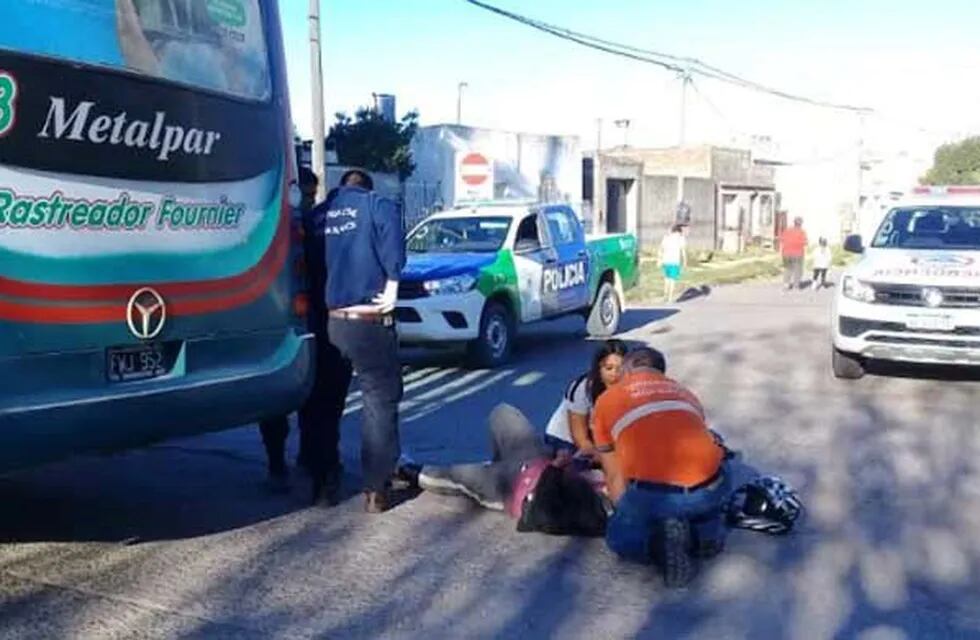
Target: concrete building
{"x":729,"y":199}
{"x":457,"y":164}
{"x":839,"y":195}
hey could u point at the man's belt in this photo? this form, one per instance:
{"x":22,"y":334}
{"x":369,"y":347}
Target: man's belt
{"x":662,"y":487}
{"x":384,"y":319}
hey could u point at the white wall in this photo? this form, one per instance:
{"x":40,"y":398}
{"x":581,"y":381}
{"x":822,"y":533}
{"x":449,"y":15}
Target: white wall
{"x":817,"y":192}
{"x":518,"y":161}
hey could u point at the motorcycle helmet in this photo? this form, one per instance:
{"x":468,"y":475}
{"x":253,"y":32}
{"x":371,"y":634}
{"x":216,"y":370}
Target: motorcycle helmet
{"x":767,"y":504}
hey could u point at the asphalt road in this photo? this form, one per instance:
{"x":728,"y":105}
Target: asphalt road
{"x":182,"y":540}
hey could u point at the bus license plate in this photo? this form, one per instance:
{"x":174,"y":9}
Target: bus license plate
{"x":930,"y":322}
{"x":135,"y":363}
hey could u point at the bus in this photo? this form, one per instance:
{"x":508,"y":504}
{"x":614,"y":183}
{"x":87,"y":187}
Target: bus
{"x":148,"y":203}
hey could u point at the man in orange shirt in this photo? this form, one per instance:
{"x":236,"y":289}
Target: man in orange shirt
{"x":664,"y":469}
{"x":792,"y":245}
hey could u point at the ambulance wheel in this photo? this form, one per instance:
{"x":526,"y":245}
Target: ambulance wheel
{"x":847,"y":366}
{"x":606,"y":312}
{"x":493,"y":347}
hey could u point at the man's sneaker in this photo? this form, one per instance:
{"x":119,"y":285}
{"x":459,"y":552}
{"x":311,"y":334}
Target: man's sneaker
{"x":326,"y":489}
{"x":671,"y":551}
{"x":435,"y":483}
{"x":406,"y":474}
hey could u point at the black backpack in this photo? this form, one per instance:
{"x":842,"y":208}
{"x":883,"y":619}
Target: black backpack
{"x":563,"y":503}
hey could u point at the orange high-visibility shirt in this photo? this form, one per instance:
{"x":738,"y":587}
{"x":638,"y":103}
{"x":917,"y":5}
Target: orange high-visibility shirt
{"x":657,"y":430}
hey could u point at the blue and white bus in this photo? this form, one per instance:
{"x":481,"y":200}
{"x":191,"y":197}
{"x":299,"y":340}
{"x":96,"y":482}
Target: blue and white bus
{"x":147,"y":283}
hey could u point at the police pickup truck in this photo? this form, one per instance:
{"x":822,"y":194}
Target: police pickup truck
{"x":474,"y":274}
{"x":915,"y":293}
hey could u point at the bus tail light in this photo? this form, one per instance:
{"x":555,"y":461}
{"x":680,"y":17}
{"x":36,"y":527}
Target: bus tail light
{"x":300,"y":304}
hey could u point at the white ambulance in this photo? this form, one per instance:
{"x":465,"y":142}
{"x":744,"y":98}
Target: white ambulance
{"x":914,"y":295}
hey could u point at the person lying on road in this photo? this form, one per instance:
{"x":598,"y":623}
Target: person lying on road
{"x":544,"y":491}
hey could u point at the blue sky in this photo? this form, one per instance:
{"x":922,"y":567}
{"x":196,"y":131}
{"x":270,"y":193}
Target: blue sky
{"x":914,"y":63}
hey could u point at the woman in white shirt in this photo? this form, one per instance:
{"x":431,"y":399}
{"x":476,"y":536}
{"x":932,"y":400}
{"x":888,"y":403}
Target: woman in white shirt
{"x":673,"y":257}
{"x":569,"y":427}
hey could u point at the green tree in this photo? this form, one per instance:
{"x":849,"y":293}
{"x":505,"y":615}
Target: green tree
{"x":371,"y":142}
{"x":956,"y":163}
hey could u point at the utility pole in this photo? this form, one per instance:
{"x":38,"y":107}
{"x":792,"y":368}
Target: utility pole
{"x":598,"y":193}
{"x":316,"y":73}
{"x":459,"y":101}
{"x":860,"y":174}
{"x":686,"y":79}
{"x":624,"y":124}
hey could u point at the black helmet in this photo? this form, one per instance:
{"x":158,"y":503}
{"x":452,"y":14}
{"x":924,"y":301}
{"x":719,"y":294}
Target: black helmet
{"x":766,"y":504}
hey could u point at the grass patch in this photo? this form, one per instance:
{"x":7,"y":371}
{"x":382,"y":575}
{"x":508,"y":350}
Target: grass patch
{"x":715,"y":268}
{"x":721,"y":269}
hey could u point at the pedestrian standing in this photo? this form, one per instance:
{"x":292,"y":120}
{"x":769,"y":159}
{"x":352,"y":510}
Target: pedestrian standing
{"x":792,"y":246}
{"x":822,"y":259}
{"x":319,"y":417}
{"x":673,"y":258}
{"x":365,"y":253}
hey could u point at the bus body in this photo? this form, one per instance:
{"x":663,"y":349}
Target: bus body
{"x":147,"y":194}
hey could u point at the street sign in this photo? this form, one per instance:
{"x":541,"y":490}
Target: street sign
{"x":474,"y":177}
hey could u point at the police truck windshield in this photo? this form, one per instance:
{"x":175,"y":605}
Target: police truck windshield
{"x":930,"y":228}
{"x":460,"y":235}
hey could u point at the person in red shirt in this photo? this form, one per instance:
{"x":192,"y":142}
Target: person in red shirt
{"x":792,"y":246}
{"x":664,"y":469}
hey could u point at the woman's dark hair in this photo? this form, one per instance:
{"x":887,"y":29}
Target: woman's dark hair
{"x":608,"y":348}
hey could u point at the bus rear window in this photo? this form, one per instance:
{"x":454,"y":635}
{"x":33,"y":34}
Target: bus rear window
{"x":209,"y":44}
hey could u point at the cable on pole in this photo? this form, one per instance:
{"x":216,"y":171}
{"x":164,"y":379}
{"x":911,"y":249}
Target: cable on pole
{"x":675,"y":63}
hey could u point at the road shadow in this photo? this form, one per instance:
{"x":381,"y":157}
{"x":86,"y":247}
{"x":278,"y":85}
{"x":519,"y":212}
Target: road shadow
{"x":537,"y":340}
{"x":887,"y":467}
{"x":158,"y":493}
{"x":693,"y":293}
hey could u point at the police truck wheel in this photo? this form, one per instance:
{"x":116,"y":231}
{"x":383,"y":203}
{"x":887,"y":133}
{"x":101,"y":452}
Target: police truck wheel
{"x":604,"y":317}
{"x":493,"y":347}
{"x":847,"y":366}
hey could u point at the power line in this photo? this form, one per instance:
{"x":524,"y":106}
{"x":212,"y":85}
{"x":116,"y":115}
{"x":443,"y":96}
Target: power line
{"x":582,"y":39}
{"x":718,"y":112}
{"x":678,"y":64}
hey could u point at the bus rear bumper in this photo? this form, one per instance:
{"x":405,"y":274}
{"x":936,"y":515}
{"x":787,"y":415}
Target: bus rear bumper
{"x":35,"y":429}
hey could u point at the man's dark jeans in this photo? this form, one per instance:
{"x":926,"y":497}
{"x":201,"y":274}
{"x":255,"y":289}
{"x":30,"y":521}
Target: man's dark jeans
{"x":372,"y":350}
{"x":319,"y":417}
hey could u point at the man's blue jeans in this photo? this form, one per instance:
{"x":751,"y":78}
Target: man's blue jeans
{"x":372,"y":350}
{"x":641,"y":509}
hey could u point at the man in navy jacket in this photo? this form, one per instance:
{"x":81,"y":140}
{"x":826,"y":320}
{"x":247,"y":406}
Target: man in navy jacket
{"x":365,"y":254}
{"x":320,"y":416}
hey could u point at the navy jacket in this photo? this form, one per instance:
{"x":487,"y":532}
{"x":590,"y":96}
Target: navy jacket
{"x":364,"y":242}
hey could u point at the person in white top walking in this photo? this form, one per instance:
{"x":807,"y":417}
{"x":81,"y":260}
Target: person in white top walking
{"x":673,"y":257}
{"x":822,"y":259}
